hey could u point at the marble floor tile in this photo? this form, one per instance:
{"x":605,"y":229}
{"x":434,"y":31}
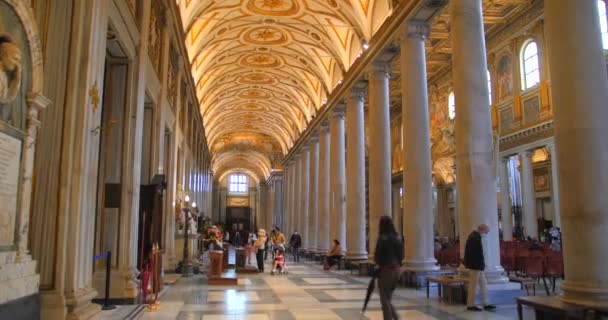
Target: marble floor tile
{"x":309,"y":292}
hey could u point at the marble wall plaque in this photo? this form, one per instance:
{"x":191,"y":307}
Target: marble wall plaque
{"x":10,"y":162}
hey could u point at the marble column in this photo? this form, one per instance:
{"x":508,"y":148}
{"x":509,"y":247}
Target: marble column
{"x":417,"y":174}
{"x":292,"y":198}
{"x":313,"y":193}
{"x":557,"y":221}
{"x":323,"y":206}
{"x":505,"y":201}
{"x":337,"y":225}
{"x":304,"y":198}
{"x":285,"y":218}
{"x":444,"y":219}
{"x":355,"y":181}
{"x":297,"y":194}
{"x":476,"y":197}
{"x":528,"y":196}
{"x":580,"y":91}
{"x":379,"y":149}
{"x":397,"y":210}
{"x":277,"y":215}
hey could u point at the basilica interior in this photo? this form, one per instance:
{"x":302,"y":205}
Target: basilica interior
{"x":148,"y":148}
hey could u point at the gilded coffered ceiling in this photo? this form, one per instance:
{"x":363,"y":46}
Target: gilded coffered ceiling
{"x":264,"y":67}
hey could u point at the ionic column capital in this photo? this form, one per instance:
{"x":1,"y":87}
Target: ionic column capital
{"x":314,"y":138}
{"x":379,"y":69}
{"x":339,"y":111}
{"x":415,"y":29}
{"x":358,"y":94}
{"x":527,"y":153}
{"x":324,"y":128}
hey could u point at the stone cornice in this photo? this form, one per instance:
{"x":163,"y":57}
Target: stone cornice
{"x":526,"y":136}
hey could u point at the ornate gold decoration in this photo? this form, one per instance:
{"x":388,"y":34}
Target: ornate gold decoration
{"x":265,"y":36}
{"x":279,"y":8}
{"x":94,"y":95}
{"x":260,"y":60}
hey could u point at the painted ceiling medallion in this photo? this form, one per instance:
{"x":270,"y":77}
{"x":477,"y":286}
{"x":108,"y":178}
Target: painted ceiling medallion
{"x":256,"y":78}
{"x":265,"y":36}
{"x":254,"y":94}
{"x":260,"y":60}
{"x":279,"y":8}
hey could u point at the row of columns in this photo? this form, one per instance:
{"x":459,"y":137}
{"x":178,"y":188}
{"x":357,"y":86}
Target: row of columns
{"x":579,"y":89}
{"x":474,"y":150}
{"x":530,"y":217}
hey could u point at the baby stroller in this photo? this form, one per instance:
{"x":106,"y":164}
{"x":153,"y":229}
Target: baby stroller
{"x":279,"y":260}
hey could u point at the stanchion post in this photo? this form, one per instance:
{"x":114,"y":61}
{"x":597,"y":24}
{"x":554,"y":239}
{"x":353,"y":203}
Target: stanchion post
{"x":106,"y":303}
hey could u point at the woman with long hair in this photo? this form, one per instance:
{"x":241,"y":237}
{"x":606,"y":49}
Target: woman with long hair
{"x":388,"y":257}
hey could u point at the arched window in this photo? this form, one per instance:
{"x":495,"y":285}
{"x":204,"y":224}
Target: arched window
{"x":451,"y":106}
{"x":601,"y":6}
{"x":489,"y":87}
{"x":530,"y":70}
{"x":237,"y":184}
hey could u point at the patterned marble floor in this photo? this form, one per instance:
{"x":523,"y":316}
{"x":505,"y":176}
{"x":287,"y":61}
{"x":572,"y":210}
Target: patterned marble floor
{"x":309,"y":292}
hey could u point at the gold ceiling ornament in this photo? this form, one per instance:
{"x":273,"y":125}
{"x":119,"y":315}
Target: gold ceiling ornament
{"x":260,"y":60}
{"x":277,"y":8}
{"x":265,"y":36}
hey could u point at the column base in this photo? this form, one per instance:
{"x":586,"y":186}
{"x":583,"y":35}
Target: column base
{"x":421,"y":265}
{"x":169,"y":262}
{"x":585,"y":295}
{"x":124,"y":289}
{"x":75,"y":306}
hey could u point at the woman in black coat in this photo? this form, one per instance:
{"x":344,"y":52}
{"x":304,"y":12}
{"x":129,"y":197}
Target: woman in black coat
{"x":388,"y":257}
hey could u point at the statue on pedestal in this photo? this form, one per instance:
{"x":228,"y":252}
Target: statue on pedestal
{"x":10,"y":70}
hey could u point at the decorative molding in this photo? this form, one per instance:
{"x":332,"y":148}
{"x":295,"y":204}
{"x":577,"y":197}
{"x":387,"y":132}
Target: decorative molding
{"x":527,"y":136}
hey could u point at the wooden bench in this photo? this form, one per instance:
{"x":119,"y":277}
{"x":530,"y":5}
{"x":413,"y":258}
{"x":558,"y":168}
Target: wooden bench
{"x":447,"y":284}
{"x":361,"y":265}
{"x":525,"y":283}
{"x":546,"y":308}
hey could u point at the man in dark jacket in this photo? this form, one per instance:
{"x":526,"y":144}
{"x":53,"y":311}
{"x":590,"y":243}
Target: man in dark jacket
{"x":475,"y":263}
{"x":295,"y":243}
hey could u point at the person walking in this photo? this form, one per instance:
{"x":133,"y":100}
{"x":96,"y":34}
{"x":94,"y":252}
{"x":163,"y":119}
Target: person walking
{"x":260,"y":246}
{"x":388,"y":257}
{"x":295,"y":243}
{"x":475,"y":263}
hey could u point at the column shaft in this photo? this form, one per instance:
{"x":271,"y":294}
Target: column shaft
{"x":580,"y":91}
{"x":323,"y":219}
{"x":555,"y":188}
{"x":304,"y":201}
{"x":379,"y":150}
{"x":505,"y":195}
{"x":417,"y":198}
{"x":528,"y":196}
{"x":355,"y":186}
{"x":477,"y":202}
{"x":297,"y":195}
{"x":338,"y":177}
{"x":313,"y":194}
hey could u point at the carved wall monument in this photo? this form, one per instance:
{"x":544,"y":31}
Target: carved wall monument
{"x":20,"y":100}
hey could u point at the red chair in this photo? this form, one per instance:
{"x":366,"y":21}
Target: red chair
{"x":521,"y":255}
{"x":554,"y":266}
{"x":507,"y":259}
{"x":535,"y":267}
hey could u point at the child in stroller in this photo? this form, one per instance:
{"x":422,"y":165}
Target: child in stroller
{"x":279,"y":260}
